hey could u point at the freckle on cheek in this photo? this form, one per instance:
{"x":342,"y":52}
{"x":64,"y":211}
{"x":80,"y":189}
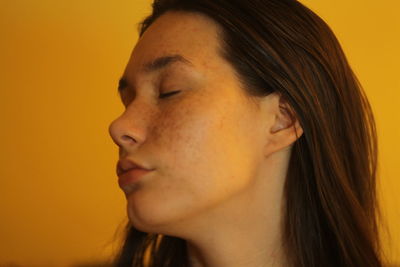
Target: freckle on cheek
{"x":169,"y":127}
{"x":177,"y":132}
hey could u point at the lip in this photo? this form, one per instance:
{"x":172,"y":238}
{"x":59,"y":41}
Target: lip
{"x":129,"y":172}
{"x":130,"y":177}
{"x":126,"y":164}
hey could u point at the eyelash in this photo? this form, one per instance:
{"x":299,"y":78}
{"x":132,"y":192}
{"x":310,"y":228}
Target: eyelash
{"x":168,"y":94}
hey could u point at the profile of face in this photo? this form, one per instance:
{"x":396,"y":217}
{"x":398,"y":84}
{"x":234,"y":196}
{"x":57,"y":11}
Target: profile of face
{"x":206,"y":142}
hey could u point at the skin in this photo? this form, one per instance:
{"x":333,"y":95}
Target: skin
{"x":219,"y":160}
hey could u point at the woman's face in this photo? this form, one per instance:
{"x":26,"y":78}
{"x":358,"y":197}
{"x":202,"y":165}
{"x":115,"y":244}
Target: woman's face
{"x":204,"y":143}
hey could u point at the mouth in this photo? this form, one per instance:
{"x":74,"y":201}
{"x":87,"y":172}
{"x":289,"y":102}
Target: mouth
{"x":129,"y":178}
{"x":129,"y":172}
{"x":124,"y":165}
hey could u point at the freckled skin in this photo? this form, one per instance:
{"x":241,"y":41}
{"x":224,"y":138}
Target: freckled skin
{"x":206,"y":143}
{"x":197,"y":140}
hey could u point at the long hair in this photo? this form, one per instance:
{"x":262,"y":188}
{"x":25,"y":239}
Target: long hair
{"x":331,"y":213}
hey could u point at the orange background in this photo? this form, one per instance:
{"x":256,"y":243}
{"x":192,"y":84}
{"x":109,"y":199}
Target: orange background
{"x":59,"y":66}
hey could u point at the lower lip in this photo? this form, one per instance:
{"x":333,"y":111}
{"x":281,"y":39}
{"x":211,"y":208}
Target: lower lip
{"x":131,"y":176}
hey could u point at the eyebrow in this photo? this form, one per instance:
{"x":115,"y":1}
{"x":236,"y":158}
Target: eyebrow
{"x":156,"y":65}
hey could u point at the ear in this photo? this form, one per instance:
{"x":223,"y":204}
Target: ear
{"x":285,"y":128}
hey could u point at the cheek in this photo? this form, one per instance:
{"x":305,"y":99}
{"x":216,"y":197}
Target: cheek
{"x":201,"y":162}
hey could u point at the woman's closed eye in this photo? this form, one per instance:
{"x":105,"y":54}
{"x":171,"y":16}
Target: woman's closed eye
{"x":168,"y":94}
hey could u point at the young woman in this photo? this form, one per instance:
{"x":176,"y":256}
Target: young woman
{"x":246,"y":140}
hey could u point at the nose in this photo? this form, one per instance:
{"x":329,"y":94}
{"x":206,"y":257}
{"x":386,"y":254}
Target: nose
{"x":121,"y":134}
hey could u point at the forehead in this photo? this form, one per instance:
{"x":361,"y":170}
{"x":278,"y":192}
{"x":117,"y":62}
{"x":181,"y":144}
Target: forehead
{"x":192,"y":35}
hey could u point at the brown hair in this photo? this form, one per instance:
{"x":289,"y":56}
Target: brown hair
{"x":331,"y":210}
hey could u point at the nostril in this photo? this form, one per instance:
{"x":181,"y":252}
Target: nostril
{"x":127,"y":138}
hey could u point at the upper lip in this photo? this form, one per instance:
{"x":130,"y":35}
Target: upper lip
{"x":126,"y":164}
